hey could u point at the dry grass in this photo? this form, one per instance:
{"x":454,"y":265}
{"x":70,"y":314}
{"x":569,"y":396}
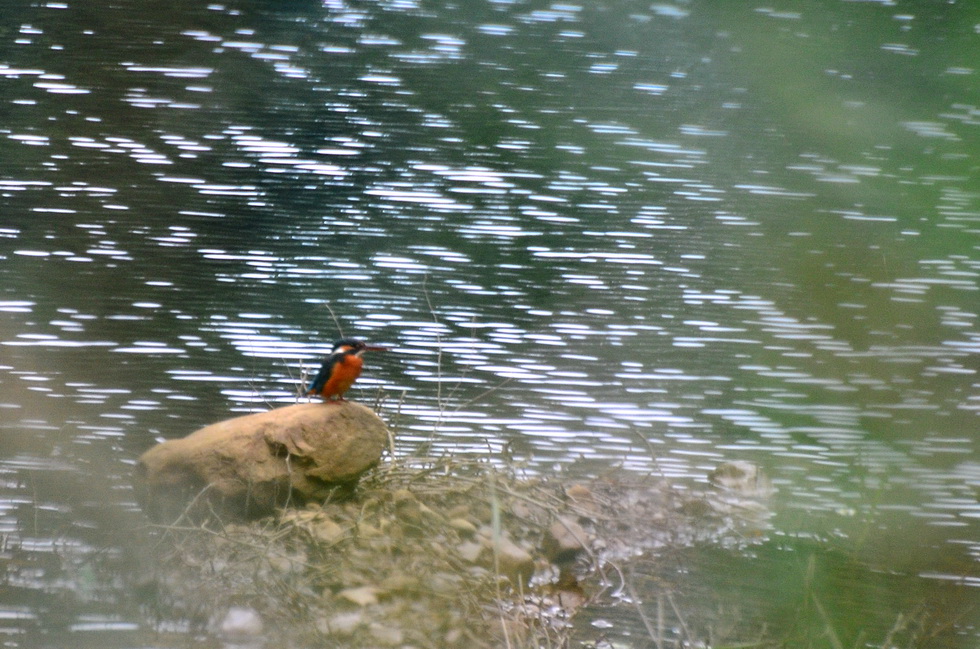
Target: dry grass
{"x":428,"y":554}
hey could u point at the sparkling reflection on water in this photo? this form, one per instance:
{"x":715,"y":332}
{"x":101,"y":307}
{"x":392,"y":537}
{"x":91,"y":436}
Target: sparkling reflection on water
{"x":594,"y":239}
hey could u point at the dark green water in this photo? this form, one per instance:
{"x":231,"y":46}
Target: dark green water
{"x":598,"y":236}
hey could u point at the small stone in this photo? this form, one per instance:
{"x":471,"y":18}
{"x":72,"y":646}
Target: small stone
{"x":570,"y":600}
{"x":470,"y":551}
{"x":459,"y":511}
{"x":453,"y":636}
{"x":292,"y":563}
{"x":240,"y":623}
{"x":362,"y":596}
{"x":400,"y":583}
{"x":444,"y":583}
{"x":367,"y":531}
{"x":387,"y":636}
{"x":409,"y":511}
{"x":463,"y":526}
{"x":400,"y":496}
{"x":741,"y":477}
{"x":299,"y":517}
{"x":582,"y":497}
{"x":437,"y":546}
{"x":522,"y":510}
{"x":327,"y":531}
{"x":564,"y":540}
{"x":345,"y":623}
{"x":429,"y":512}
{"x":511,"y":560}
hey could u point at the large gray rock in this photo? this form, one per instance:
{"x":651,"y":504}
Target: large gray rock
{"x":250,"y":465}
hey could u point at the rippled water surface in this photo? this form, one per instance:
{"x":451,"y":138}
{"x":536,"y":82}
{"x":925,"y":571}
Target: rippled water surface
{"x":597,"y":236}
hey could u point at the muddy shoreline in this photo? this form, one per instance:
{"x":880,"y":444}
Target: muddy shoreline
{"x":432,"y":553}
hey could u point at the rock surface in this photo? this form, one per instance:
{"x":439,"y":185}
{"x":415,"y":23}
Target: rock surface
{"x":564,"y":540}
{"x":249,"y":465}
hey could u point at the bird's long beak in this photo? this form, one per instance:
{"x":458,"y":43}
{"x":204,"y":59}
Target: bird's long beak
{"x":375,"y":348}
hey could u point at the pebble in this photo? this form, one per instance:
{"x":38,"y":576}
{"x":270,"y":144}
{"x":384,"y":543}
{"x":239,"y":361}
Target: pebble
{"x":463,"y":526}
{"x":240,"y":623}
{"x":387,"y":636}
{"x":327,"y":531}
{"x":342,"y":623}
{"x":512,"y":560}
{"x":362,"y":595}
{"x":564,"y":540}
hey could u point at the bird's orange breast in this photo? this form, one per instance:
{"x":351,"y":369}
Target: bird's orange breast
{"x":344,"y":373}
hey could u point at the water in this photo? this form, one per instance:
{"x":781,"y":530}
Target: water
{"x":596,"y":236}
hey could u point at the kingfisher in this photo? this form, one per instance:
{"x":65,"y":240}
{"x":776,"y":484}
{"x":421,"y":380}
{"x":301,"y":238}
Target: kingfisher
{"x":340,"y":369}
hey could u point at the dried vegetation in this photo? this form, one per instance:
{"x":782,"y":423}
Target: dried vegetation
{"x":433,"y":553}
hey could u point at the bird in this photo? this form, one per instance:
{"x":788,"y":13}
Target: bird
{"x":340,"y":369}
